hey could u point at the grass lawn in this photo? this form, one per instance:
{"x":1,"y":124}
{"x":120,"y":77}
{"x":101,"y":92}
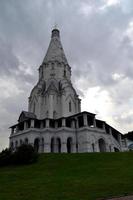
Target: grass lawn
{"x":69,"y":177}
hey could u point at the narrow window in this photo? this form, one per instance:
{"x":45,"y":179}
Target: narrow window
{"x":64,"y":73}
{"x":34,"y":108}
{"x":70,"y":107}
{"x":93,"y":147}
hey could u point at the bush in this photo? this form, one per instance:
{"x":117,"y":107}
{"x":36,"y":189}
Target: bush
{"x":6,"y":157}
{"x":24,"y":154}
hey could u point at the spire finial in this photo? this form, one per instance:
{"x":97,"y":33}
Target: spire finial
{"x":55,"y":31}
{"x":55,"y":25}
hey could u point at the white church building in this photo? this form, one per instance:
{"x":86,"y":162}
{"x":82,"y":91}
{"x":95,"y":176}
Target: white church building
{"x":54,"y":121}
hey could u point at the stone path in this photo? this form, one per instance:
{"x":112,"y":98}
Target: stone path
{"x":122,"y":198}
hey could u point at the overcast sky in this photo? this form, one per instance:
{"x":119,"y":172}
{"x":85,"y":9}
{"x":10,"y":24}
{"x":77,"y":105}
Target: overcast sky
{"x":97,"y":37}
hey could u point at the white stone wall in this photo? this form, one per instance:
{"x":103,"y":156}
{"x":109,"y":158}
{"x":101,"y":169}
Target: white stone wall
{"x":84,"y":137}
{"x":53,"y":100}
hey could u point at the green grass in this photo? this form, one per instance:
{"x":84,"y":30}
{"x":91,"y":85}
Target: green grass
{"x":69,"y":177}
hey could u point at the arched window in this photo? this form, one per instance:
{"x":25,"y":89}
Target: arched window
{"x":64,"y":73}
{"x":21,"y":142}
{"x":58,"y":141}
{"x":102,"y":145}
{"x":26,"y":141}
{"x":16,"y":143}
{"x":36,"y":144}
{"x":93,"y":147}
{"x":110,"y":148}
{"x":70,"y":107}
{"x":52,"y":145}
{"x":43,"y":87}
{"x":12,"y":145}
{"x":69,"y":145}
{"x":34,"y":107}
{"x":116,"y":149}
{"x":42,"y":145}
{"x":42,"y":72}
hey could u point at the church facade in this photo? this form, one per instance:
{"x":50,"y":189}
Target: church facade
{"x":54,"y":121}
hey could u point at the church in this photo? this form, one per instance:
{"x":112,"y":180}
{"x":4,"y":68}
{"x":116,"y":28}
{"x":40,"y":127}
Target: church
{"x":54,"y":121}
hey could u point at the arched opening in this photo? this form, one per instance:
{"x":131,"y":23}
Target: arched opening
{"x":36,"y":144}
{"x":21,"y":142}
{"x":52,"y":145}
{"x":93,"y":147}
{"x":12,"y":145}
{"x":116,"y":149}
{"x":34,"y":107}
{"x":26,"y":141}
{"x":42,"y":145}
{"x":110,"y":149}
{"x":70,"y":106}
{"x":102,"y":145}
{"x":16,"y":144}
{"x":69,"y":145}
{"x":58,"y":145}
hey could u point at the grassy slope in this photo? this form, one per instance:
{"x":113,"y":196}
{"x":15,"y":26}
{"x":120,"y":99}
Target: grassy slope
{"x":69,"y":176}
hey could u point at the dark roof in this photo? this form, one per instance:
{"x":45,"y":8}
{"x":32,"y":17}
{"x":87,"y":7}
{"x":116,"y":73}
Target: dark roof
{"x":26,"y":115}
{"x":100,"y":120}
{"x":128,"y":135}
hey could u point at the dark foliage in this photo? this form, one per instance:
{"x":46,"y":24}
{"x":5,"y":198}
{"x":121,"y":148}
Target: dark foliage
{"x":25,"y":154}
{"x":129,"y":135}
{"x":6,"y":157}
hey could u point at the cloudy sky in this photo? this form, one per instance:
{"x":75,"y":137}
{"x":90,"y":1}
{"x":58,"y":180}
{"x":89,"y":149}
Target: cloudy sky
{"x":97,"y":36}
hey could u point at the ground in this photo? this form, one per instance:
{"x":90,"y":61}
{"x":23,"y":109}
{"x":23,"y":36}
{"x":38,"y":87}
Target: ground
{"x":69,"y":177}
{"x":123,"y":198}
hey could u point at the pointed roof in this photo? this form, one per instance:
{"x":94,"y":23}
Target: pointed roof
{"x":26,"y":115}
{"x":55,"y":50}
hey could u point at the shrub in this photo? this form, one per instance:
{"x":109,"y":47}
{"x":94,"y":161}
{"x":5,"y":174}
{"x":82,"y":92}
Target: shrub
{"x":24,"y":154}
{"x":6,"y":157}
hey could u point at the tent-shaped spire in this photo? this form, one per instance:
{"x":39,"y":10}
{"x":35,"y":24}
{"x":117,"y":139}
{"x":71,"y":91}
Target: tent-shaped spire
{"x":55,"y":50}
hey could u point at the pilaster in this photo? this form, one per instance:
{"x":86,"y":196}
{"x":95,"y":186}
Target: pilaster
{"x":63,"y":122}
{"x":63,"y":147}
{"x":47,"y":147}
{"x":73,"y":124}
{"x":94,"y":122}
{"x":85,"y":119}
{"x":47,"y":123}
{"x":32,"y":125}
{"x":25,"y":125}
{"x":41,"y":125}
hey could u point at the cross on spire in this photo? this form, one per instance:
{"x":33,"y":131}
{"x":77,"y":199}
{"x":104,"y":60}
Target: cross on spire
{"x":55,"y":25}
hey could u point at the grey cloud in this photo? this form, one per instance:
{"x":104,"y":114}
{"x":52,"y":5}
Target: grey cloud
{"x":8,"y":61}
{"x":9,"y":65}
